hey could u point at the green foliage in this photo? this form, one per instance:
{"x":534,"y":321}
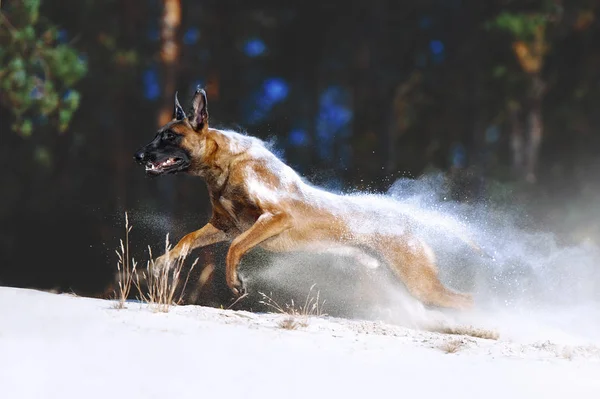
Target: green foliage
{"x":37,"y":74}
{"x":499,"y":71}
{"x":520,"y":26}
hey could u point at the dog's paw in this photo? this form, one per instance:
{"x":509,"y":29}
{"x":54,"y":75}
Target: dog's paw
{"x":238,"y":288}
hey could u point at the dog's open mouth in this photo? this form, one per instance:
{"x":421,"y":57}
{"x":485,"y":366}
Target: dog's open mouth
{"x":167,"y":165}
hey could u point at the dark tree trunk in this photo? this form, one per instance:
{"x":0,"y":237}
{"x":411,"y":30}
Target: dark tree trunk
{"x":169,"y":56}
{"x":535,"y":130}
{"x":517,"y":142}
{"x":527,"y":131}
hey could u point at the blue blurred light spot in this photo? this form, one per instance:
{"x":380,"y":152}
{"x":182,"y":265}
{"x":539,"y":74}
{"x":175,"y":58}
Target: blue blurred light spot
{"x":273,"y":91}
{"x":61,"y":36}
{"x":333,"y":112}
{"x":36,"y":93}
{"x":153,"y":34}
{"x":276,"y":89}
{"x":151,"y":87}
{"x":67,"y":95}
{"x":191,"y":36}
{"x":425,"y":22}
{"x":254,"y":47}
{"x":82,"y":58}
{"x":256,"y":116}
{"x":258,"y":107}
{"x":459,"y":156}
{"x":333,"y":118}
{"x":436,"y":47}
{"x":298,"y":138}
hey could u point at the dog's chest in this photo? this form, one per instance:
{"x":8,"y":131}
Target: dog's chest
{"x":241,"y":212}
{"x":227,"y":204}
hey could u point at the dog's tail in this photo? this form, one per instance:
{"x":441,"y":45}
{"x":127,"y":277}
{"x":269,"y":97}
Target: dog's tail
{"x":476,"y":247}
{"x":464,"y":237}
{"x":438,"y":221}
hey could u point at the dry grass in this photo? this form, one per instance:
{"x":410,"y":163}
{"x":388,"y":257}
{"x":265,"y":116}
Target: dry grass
{"x":467,"y":330}
{"x":452,"y":346}
{"x":159,"y":286}
{"x":568,"y":353}
{"x":161,"y":283}
{"x":125,"y":269}
{"x":290,"y":323}
{"x":297,"y":316}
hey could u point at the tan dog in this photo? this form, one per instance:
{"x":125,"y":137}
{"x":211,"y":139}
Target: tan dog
{"x":257,"y":200}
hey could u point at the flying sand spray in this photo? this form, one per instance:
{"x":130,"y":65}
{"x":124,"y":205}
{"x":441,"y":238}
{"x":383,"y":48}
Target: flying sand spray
{"x":525,"y":285}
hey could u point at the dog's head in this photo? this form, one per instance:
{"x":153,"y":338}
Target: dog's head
{"x":179,"y":144}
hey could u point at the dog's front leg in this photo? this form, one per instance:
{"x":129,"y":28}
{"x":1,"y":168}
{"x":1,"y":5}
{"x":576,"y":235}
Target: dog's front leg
{"x":207,"y":235}
{"x":266,"y":226}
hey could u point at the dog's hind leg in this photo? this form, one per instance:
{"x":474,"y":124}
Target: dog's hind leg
{"x":413,"y":262}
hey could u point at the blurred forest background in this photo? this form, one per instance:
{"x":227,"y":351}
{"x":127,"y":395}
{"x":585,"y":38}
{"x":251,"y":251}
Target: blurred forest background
{"x":502,"y":96}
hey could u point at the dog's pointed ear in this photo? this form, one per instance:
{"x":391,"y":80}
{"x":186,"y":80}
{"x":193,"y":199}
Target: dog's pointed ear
{"x":198,"y":116}
{"x":178,"y":112}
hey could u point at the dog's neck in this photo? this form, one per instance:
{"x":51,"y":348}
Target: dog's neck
{"x":221,"y":149}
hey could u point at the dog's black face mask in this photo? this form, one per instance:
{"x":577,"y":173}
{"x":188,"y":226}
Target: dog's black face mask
{"x":164,"y":154}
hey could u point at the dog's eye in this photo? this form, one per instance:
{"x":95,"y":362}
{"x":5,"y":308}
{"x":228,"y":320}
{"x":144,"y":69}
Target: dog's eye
{"x":168,"y":135}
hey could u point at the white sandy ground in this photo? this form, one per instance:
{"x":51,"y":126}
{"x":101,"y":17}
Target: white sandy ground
{"x":60,"y":346}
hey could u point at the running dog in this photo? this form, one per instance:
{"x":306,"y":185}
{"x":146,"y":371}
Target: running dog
{"x":257,"y":200}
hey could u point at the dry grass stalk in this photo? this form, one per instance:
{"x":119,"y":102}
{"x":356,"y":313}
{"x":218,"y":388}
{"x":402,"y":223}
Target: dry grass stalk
{"x":245,"y":295}
{"x":125,"y":268}
{"x":289,"y":323}
{"x":162,"y":283}
{"x":468,"y":330}
{"x":297,"y":316}
{"x":568,"y":352}
{"x":452,"y":346}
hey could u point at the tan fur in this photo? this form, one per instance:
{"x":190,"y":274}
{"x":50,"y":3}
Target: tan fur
{"x":257,"y":200}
